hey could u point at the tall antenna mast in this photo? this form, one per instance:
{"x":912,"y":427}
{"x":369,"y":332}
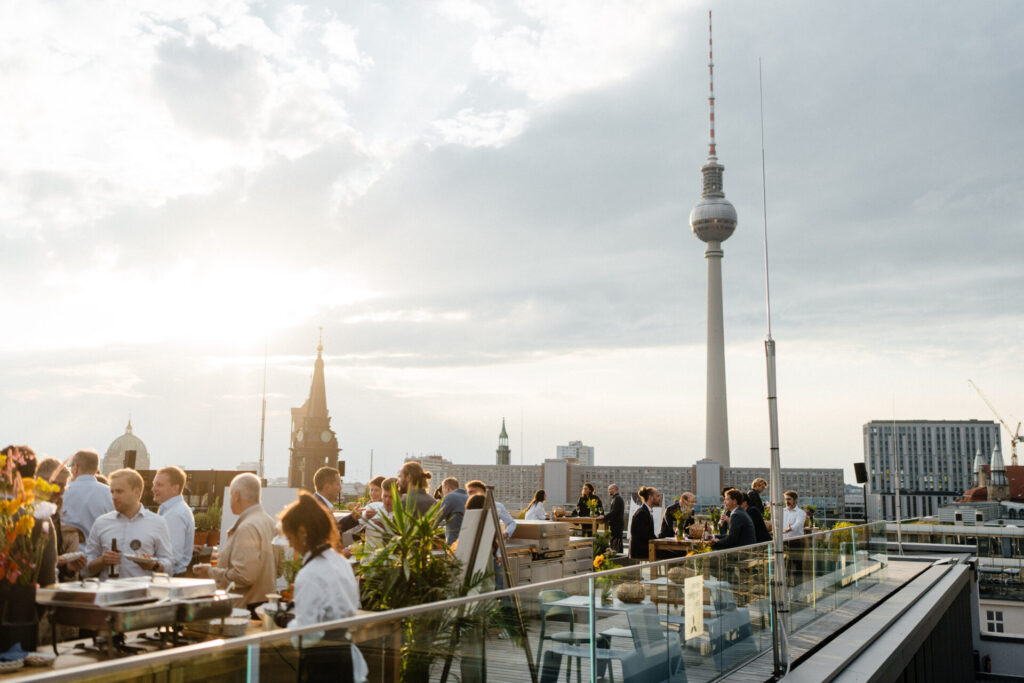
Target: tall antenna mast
{"x":711,"y":94}
{"x":263,"y":416}
{"x":780,"y":605}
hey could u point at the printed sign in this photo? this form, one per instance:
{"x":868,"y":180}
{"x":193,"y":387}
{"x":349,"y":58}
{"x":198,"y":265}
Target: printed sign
{"x":693,"y":593}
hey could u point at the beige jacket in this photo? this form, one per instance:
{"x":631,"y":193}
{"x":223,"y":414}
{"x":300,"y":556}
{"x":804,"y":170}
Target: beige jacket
{"x":247,"y":558}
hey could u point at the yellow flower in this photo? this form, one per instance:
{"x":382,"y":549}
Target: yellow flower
{"x":44,"y":487}
{"x":10,"y":506}
{"x":3,"y":459}
{"x":28,"y":483}
{"x":598,"y":561}
{"x":24,"y":525}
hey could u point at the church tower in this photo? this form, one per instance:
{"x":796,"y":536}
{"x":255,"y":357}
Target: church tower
{"x":503,"y":452}
{"x":313,"y":443}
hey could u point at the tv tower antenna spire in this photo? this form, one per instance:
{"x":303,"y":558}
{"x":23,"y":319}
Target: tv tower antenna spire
{"x":711,"y":93}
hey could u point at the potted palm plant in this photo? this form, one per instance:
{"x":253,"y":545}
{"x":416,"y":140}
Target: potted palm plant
{"x":411,"y":565}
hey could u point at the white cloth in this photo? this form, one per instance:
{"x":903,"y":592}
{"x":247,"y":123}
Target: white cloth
{"x":84,"y":501}
{"x":326,"y":590}
{"x":144,"y":534}
{"x":182,"y":526}
{"x":535,"y":512}
{"x":793,"y":518}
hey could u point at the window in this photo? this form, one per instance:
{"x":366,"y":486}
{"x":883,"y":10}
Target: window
{"x":993,"y":621}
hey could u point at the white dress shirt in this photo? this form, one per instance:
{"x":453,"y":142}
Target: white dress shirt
{"x":326,"y":590}
{"x":506,"y":519}
{"x":793,"y":518}
{"x":182,"y":526}
{"x":144,"y":534}
{"x":84,"y":501}
{"x":536,"y":511}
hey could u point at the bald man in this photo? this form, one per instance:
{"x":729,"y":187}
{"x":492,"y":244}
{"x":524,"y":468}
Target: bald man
{"x":246,"y":558}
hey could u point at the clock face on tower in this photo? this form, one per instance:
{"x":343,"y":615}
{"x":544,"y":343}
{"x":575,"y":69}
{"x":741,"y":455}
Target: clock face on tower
{"x":299,"y":435}
{"x":325,"y":436}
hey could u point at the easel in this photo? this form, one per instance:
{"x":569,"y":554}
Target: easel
{"x":490,"y":513}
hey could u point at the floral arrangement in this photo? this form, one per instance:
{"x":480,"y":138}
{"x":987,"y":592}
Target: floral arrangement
{"x":810,"y":510}
{"x":592,"y":506}
{"x":699,"y":548}
{"x":602,"y":543}
{"x":23,"y":504}
{"x":602,"y":563}
{"x":714,"y":514}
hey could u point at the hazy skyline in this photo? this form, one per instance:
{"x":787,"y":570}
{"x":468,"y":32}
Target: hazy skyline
{"x":485,"y":206}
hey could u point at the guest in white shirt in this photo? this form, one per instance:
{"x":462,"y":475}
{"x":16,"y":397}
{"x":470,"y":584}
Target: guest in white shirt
{"x":325,"y":590}
{"x":376,"y":489}
{"x":85,"y":498}
{"x":478,"y":488}
{"x":535,"y":510}
{"x":138,"y":532}
{"x":167,"y":487}
{"x":793,"y":517}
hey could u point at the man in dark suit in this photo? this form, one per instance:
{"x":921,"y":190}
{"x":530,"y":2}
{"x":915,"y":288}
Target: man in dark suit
{"x":678,"y":513}
{"x":327,"y":483}
{"x":741,"y":528}
{"x":453,"y":506}
{"x":641,"y":528}
{"x":615,"y":517}
{"x":760,"y":530}
{"x":754,"y":502}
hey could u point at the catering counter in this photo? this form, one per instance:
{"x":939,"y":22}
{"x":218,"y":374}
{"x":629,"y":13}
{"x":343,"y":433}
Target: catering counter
{"x":528,"y":566}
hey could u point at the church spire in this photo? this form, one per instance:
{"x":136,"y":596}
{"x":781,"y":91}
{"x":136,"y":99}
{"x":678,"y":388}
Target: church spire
{"x":318,"y":390}
{"x":504,"y":454}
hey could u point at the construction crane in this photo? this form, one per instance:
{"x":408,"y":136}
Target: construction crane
{"x":1015,"y":437}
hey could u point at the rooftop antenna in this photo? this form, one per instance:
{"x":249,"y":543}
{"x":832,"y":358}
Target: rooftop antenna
{"x":263,"y":415}
{"x":780,"y":605}
{"x":711,"y":94}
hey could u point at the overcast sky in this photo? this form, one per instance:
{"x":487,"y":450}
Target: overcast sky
{"x":485,"y":205}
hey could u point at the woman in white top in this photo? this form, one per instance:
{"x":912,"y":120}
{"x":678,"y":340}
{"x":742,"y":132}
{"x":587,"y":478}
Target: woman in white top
{"x":535,"y":510}
{"x":325,"y":590}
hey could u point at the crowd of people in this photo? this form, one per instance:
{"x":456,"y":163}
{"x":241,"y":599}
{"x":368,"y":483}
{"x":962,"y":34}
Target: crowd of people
{"x":104,"y":531}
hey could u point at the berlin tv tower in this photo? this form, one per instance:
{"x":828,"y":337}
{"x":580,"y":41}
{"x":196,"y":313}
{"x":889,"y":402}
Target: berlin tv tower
{"x":713,"y":220}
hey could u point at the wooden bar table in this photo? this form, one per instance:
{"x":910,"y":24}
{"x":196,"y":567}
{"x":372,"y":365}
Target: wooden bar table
{"x":673,"y":544}
{"x":583,"y":522}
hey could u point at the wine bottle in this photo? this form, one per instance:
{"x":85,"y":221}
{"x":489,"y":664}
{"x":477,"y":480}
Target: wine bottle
{"x":114,"y":570}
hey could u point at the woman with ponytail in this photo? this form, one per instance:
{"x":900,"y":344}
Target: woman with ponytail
{"x":325,"y":590}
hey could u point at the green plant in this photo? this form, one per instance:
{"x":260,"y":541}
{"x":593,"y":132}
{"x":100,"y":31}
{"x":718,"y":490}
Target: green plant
{"x":602,"y":542}
{"x":214,"y":513}
{"x":290,"y":568}
{"x":202,"y":521}
{"x":411,"y":565}
{"x":810,"y":510}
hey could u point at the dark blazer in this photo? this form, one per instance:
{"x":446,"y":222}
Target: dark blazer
{"x":668,"y":521}
{"x":754,"y":502}
{"x":741,"y":531}
{"x":453,"y":507}
{"x":583,"y":511}
{"x":641,"y":531}
{"x":344,"y":523}
{"x":760,"y":530}
{"x":616,"y":515}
